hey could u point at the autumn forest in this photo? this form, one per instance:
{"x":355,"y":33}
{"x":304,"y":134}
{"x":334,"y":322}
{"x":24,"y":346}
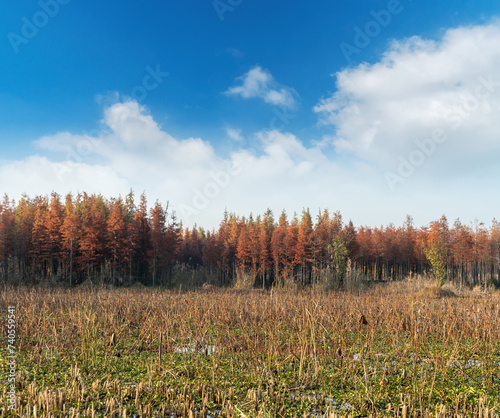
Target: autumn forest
{"x":88,"y":238}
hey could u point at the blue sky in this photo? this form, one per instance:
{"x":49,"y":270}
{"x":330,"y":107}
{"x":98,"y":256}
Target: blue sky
{"x":258,"y":85}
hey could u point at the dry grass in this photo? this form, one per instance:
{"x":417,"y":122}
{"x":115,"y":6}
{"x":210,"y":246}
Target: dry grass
{"x":437,"y":292}
{"x":426,"y":286}
{"x":96,"y":352}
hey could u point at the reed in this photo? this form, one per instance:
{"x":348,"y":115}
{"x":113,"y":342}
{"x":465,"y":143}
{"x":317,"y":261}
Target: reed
{"x":144,"y":352}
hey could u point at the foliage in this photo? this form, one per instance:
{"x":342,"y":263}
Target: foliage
{"x":437,"y":263}
{"x":339,"y":256}
{"x":118,"y":242}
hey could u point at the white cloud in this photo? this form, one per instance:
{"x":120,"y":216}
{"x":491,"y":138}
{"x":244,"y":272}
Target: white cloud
{"x":380,"y":111}
{"x":133,"y":151}
{"x":234,"y":134}
{"x":259,"y":83}
{"x":37,"y":175}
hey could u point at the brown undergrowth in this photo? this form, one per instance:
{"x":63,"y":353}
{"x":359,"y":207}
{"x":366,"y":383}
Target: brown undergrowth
{"x":148,"y":352}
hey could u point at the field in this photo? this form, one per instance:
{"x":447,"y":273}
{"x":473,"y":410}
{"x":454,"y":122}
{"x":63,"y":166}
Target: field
{"x":383,"y":351}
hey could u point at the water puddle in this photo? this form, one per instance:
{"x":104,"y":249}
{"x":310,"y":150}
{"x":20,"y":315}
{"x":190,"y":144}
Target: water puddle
{"x":208,"y":350}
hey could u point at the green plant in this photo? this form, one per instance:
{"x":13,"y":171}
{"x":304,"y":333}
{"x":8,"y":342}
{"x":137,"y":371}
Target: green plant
{"x":339,"y":255}
{"x":438,"y":263}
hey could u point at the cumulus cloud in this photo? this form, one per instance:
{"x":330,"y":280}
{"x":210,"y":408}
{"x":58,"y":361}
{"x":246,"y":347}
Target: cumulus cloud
{"x":133,"y":151}
{"x":438,"y":98}
{"x":137,"y":150}
{"x":37,"y":175}
{"x":380,"y":113}
{"x":259,"y":83}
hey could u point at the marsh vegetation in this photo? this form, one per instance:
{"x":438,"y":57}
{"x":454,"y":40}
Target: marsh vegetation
{"x":395,"y":350}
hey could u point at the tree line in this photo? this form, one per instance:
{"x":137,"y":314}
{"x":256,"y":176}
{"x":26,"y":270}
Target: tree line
{"x":118,"y":241}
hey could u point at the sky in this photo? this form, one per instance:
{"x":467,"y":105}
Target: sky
{"x":377,"y":109}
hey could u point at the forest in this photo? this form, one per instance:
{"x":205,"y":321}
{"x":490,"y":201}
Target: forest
{"x":72,"y":240}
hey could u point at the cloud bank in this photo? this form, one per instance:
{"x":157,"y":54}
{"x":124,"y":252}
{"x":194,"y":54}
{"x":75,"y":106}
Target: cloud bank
{"x":133,"y":151}
{"x":430,"y":103}
{"x":415,"y":132}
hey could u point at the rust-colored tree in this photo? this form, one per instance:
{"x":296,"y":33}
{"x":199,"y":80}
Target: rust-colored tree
{"x":157,"y":255}
{"x":54,"y":227}
{"x":90,"y":237}
{"x":23,"y":243}
{"x":278,"y":249}
{"x":70,"y":234}
{"x":243,"y":250}
{"x":40,"y":239}
{"x":303,"y":249}
{"x":265,"y":236}
{"x":92,"y":243}
{"x":140,"y":238}
{"x":117,"y":236}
